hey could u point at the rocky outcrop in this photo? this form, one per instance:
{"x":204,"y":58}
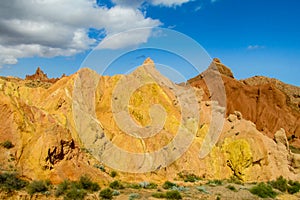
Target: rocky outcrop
{"x":42,"y":77}
{"x":270,"y":104}
{"x":50,"y":140}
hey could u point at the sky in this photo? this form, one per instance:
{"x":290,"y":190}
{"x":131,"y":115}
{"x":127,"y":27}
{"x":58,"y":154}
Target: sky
{"x":252,"y":37}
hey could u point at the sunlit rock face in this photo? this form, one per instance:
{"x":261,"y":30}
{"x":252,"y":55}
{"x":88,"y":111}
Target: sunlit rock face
{"x":50,"y":142}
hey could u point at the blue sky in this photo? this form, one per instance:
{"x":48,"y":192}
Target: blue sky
{"x":252,"y":37}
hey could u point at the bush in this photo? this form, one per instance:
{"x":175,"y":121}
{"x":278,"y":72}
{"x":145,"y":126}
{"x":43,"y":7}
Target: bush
{"x":75,"y":194}
{"x":37,"y":187}
{"x":151,"y":186}
{"x":113,"y":174}
{"x":174,"y":194}
{"x":202,"y":189}
{"x":62,"y":188}
{"x":106,"y":194}
{"x":117,"y":185}
{"x":168,"y":185}
{"x":293,"y":187}
{"x":188,"y":177}
{"x":280,"y":184}
{"x":159,"y":195}
{"x":263,"y":190}
{"x":87,"y":184}
{"x":215,"y":182}
{"x":116,"y":193}
{"x":7,"y":144}
{"x":134,"y":186}
{"x":148,"y":185}
{"x":10,"y":182}
{"x":133,"y":196}
{"x":232,"y":188}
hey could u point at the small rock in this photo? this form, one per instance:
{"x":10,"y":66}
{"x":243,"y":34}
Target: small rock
{"x":238,"y":114}
{"x":232,"y":118}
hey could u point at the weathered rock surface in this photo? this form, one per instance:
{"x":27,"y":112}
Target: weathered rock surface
{"x":269,"y":103}
{"x":44,"y":130}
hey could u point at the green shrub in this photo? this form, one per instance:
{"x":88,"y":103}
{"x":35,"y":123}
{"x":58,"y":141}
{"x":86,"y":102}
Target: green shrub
{"x":116,"y":193}
{"x":174,"y":194}
{"x":280,"y":184}
{"x":133,"y":196}
{"x":62,"y":188}
{"x":215,"y":182}
{"x":188,"y":177}
{"x":168,"y":185}
{"x":10,"y":182}
{"x":134,"y":186}
{"x":106,"y":194}
{"x":7,"y":144}
{"x":232,"y":188}
{"x":202,"y":189}
{"x":293,"y":187}
{"x":159,"y":195}
{"x":75,"y":194}
{"x":151,"y":186}
{"x":263,"y":190}
{"x":117,"y":185}
{"x":87,"y":184}
{"x":148,"y":185}
{"x":113,"y":174}
{"x":37,"y":187}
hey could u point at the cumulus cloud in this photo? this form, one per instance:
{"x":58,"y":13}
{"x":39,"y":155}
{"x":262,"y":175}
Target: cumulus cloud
{"x":60,"y":28}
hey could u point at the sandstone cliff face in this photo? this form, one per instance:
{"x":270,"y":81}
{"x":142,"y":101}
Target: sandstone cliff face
{"x":269,"y":103}
{"x":41,"y":124}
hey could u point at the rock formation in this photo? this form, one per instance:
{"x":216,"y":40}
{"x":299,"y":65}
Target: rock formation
{"x":41,"y":124}
{"x":269,"y":103}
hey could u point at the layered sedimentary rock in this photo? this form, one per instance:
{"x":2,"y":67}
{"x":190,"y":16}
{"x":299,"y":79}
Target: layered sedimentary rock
{"x":48,"y":142}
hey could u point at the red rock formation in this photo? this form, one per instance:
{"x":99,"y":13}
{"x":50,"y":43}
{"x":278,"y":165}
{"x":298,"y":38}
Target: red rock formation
{"x":41,"y":76}
{"x":263,"y":103}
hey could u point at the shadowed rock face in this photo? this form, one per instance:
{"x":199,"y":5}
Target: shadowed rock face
{"x":269,"y":103}
{"x":40,"y":123}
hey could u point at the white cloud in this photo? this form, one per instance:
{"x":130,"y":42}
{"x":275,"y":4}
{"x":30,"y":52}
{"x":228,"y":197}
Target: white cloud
{"x":198,"y":8}
{"x":254,"y":47}
{"x":60,"y":28}
{"x":169,"y":3}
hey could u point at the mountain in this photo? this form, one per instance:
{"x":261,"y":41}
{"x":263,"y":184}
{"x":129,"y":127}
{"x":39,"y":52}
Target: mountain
{"x":61,"y":130}
{"x":269,"y":103}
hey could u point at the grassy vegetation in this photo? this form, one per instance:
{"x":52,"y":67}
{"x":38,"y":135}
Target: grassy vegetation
{"x":38,"y":186}
{"x":280,"y":184}
{"x":168,"y":185}
{"x":263,"y":190}
{"x":232,"y":188}
{"x":106,"y":194}
{"x":10,"y":182}
{"x":133,"y":196}
{"x":113,"y":174}
{"x":76,"y":189}
{"x":215,"y":182}
{"x":188,"y":177}
{"x":117,"y":185}
{"x":147,"y":185}
{"x":174,"y":194}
